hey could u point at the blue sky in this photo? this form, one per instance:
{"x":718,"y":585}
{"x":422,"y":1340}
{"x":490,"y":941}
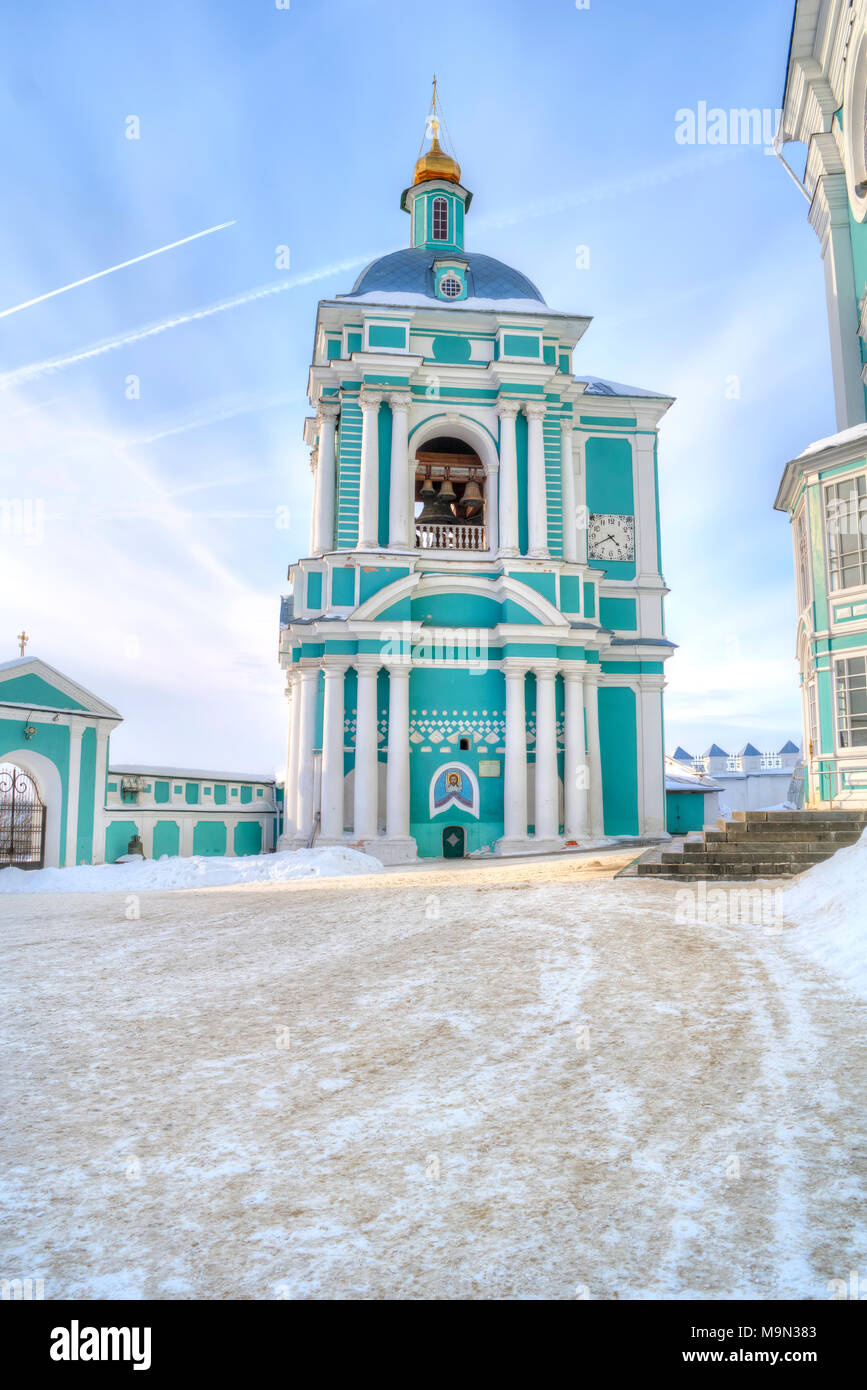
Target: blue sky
{"x":155,"y":576}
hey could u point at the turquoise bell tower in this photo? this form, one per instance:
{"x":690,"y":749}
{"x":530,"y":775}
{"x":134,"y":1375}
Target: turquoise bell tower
{"x":474,"y":644}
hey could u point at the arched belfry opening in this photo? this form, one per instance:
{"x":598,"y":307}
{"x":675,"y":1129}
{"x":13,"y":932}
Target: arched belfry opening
{"x":449,"y":496}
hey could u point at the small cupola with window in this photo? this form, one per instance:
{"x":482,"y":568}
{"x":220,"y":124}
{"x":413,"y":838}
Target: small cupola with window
{"x":437,"y":201}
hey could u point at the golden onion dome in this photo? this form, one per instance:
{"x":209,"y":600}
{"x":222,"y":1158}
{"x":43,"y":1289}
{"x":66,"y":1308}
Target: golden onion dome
{"x":435,"y":163}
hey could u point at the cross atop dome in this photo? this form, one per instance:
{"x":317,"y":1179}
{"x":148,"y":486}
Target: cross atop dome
{"x":436,"y":200}
{"x":436,"y":163}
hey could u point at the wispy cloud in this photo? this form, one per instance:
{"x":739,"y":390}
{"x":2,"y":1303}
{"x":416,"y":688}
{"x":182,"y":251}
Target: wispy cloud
{"x":20,"y":375}
{"x":122,"y":265}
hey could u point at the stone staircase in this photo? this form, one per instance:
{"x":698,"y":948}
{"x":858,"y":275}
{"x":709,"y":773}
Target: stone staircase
{"x":755,"y":844}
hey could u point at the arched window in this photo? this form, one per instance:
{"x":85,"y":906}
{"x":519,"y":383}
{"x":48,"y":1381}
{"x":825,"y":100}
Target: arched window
{"x":440,"y":219}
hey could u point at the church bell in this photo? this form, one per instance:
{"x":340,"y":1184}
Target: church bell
{"x":437,"y":510}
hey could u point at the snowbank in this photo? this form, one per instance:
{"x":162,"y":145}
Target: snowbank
{"x":827,"y":909}
{"x":199,"y":871}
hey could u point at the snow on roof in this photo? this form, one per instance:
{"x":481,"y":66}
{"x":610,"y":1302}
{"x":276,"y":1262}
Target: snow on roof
{"x":686,"y":779}
{"x":411,"y":299}
{"x":853,"y":435}
{"x":142,"y":769}
{"x":598,"y":386}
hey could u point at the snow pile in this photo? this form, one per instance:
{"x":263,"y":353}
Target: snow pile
{"x":826,"y":907}
{"x":199,"y":871}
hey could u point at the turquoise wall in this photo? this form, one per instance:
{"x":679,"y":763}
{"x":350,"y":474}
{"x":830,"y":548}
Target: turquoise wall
{"x":209,"y":837}
{"x":453,"y":689}
{"x":384,"y":470}
{"x":248,"y":838}
{"x":118,"y":834}
{"x":684,"y":811}
{"x":618,"y":738}
{"x":86,"y":798}
{"x":521,"y":445}
{"x":167,"y":838}
{"x":33,"y":690}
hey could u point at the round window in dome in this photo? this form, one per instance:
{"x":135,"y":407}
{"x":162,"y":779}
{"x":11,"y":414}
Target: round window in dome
{"x":451,"y":287}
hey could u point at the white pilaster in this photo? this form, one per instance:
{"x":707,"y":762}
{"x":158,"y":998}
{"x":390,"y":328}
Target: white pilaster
{"x":650,"y":752}
{"x":76,"y":730}
{"x":331,"y":824}
{"x":515,"y":836}
{"x":103,"y":730}
{"x":507,"y":411}
{"x":290,"y":786}
{"x":567,"y":473}
{"x":399,"y":504}
{"x":314,"y":506}
{"x":646,"y":539}
{"x":309,"y":688}
{"x":366,"y":761}
{"x":537,"y":497}
{"x":326,"y":475}
{"x":492,"y":508}
{"x":399,"y":845}
{"x":594,"y":754}
{"x":575,"y":822}
{"x":368,"y":502}
{"x":547,"y":807}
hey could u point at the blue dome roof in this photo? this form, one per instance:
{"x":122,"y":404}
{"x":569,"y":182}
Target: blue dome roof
{"x":411,"y":271}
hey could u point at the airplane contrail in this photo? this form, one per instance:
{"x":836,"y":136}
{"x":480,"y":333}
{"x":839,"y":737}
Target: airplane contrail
{"x":54,"y":364}
{"x":4,"y":313}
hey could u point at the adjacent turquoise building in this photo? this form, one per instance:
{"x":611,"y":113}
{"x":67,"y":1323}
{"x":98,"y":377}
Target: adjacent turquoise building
{"x":824,"y":489}
{"x":64,"y":801}
{"x":474,"y":647}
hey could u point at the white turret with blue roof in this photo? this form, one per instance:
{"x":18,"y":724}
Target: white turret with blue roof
{"x":484,"y":581}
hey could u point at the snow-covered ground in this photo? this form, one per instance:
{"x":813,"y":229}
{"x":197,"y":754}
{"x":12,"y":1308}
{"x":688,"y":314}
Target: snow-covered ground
{"x":827,"y":906}
{"x":138,"y":875}
{"x":491,"y":1080}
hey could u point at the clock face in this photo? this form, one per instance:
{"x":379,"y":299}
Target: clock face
{"x":612,"y":537}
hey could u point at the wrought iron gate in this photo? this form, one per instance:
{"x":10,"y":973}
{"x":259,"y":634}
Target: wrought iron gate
{"x":22,"y":820}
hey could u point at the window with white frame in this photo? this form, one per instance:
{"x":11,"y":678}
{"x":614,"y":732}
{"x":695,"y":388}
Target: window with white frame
{"x":850,"y":679}
{"x":802,"y":561}
{"x":440,"y":219}
{"x":846,"y":525}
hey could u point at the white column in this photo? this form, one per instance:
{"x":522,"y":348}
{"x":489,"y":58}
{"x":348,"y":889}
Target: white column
{"x":332,"y":754}
{"x":366,"y":761}
{"x":309,"y":688}
{"x":187,"y":825}
{"x":76,"y":729}
{"x":507,"y":411}
{"x":567,"y":472}
{"x":492,"y":508}
{"x":594,"y":754}
{"x":646,"y":539}
{"x":326,"y":475}
{"x":515,"y":780}
{"x":537,"y":497}
{"x":314,"y":505}
{"x":397,"y":770}
{"x":103,"y":730}
{"x":650,"y":751}
{"x":580,"y":476}
{"x":575,"y":823}
{"x":368,"y":502}
{"x":399,"y":502}
{"x":290,"y":787}
{"x":547,"y":809}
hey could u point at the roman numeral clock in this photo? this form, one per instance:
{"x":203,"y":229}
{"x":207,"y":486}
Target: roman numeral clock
{"x":612,"y":537}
